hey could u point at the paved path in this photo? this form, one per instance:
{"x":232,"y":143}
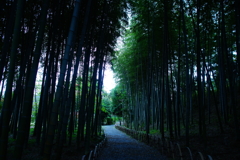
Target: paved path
{"x":120,"y":146}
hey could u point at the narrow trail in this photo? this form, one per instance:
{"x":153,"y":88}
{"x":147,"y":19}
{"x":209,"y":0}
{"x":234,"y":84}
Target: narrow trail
{"x":120,"y":146}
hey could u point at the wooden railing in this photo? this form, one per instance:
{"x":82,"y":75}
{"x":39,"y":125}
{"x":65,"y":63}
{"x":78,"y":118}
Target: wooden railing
{"x":167,"y":146}
{"x":93,"y":154}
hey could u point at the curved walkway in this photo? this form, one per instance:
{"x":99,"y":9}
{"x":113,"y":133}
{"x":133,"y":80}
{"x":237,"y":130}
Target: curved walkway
{"x":120,"y":146}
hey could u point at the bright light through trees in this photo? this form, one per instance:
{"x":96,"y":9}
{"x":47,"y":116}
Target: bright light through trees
{"x":108,"y":82}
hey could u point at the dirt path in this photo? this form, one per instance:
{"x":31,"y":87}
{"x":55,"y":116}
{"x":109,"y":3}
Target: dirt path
{"x":120,"y":146}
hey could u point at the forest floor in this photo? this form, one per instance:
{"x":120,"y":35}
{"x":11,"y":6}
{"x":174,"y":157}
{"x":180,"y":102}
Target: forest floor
{"x":119,"y":146}
{"x":219,"y":145}
{"x":69,"y":152}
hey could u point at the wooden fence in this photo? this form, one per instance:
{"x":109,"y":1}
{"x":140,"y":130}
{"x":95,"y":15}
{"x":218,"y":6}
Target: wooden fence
{"x":95,"y":152}
{"x":167,"y":147}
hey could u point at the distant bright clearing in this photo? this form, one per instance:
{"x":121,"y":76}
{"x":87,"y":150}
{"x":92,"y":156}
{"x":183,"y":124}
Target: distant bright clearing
{"x":108,"y":81}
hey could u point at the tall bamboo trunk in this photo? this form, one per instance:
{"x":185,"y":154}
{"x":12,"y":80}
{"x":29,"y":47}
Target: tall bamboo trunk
{"x":6,"y":111}
{"x":24,"y":123}
{"x":58,"y":95}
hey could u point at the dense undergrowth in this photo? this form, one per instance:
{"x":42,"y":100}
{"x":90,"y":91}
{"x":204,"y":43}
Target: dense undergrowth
{"x":220,"y":145}
{"x":69,"y":152}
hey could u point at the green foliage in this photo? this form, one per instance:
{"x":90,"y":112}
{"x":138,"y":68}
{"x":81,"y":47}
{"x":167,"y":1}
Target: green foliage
{"x":11,"y":143}
{"x":174,"y":63}
{"x":1,"y":104}
{"x":110,"y":120}
{"x":106,"y":110}
{"x":153,"y":131}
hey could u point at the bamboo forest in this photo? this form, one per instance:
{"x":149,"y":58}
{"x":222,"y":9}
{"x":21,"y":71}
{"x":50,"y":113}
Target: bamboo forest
{"x":176,"y":65}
